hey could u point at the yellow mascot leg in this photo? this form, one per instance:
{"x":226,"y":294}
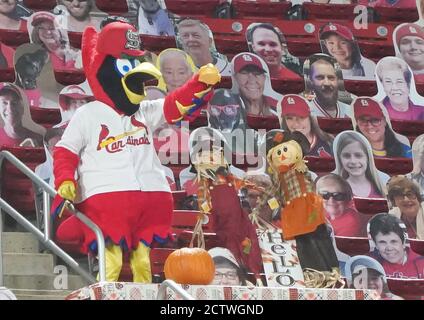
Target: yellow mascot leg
{"x":140,"y":264}
{"x":113,"y":256}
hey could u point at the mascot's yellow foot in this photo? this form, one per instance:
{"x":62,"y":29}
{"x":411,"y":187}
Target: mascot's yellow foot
{"x":113,"y":257}
{"x":140,"y":264}
{"x":209,"y":74}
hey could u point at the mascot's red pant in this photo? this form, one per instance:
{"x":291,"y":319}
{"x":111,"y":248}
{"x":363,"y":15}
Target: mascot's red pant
{"x":125,"y":218}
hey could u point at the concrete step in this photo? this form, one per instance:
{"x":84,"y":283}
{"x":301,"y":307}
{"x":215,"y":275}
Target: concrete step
{"x":27,"y":263}
{"x":19,"y":242}
{"x":22,"y":294}
{"x":42,"y":282}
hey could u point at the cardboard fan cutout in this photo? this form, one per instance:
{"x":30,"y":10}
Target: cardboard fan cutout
{"x":397,"y":90}
{"x":154,"y":19}
{"x":35,"y":76}
{"x":268,"y":42}
{"x":49,"y":31}
{"x":196,"y":38}
{"x":251,"y":81}
{"x":338,"y":41}
{"x":408,"y":42}
{"x":417,"y":173}
{"x":389,"y":245}
{"x":370,"y":118}
{"x":76,"y":15}
{"x":339,"y":206}
{"x":324,"y":87}
{"x":16,"y":126}
{"x":355,"y":163}
{"x":363,"y":272}
{"x":295,"y":115}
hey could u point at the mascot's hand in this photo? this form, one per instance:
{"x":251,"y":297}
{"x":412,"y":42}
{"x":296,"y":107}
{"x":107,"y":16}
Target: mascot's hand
{"x":67,"y":190}
{"x":209,"y":74}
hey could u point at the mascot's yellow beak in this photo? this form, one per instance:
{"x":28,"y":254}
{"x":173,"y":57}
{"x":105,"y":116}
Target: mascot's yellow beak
{"x":133,"y":81}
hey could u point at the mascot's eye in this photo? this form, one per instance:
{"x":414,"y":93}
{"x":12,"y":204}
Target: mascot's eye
{"x":279,"y":152}
{"x":285,"y":149}
{"x":123,"y":66}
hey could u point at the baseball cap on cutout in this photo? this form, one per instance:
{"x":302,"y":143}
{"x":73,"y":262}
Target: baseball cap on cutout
{"x":293,"y":104}
{"x":338,"y":29}
{"x":367,"y":107}
{"x":247,"y":59}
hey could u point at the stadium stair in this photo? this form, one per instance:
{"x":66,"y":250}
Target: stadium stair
{"x":29,"y":273}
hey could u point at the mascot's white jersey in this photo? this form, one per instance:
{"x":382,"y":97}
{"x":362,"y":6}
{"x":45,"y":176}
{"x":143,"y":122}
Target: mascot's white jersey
{"x":116,"y":151}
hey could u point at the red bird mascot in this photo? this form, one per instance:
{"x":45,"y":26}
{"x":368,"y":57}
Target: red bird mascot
{"x":106,"y":162}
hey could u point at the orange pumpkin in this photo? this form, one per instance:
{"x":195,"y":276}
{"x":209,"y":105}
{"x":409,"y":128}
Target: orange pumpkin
{"x":190,"y":266}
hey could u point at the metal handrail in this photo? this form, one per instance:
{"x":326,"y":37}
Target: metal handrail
{"x":44,"y":237}
{"x":173,"y":286}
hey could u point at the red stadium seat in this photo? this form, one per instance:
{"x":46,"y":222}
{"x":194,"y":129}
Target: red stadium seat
{"x":183,"y":220}
{"x":192,"y":8}
{"x":361,"y":88}
{"x":329,"y":12}
{"x":113,"y":7}
{"x":13,"y":38}
{"x":157,"y":43}
{"x":40,"y":5}
{"x":285,"y":86}
{"x":394,"y":166}
{"x":334,"y":126}
{"x":7,"y":75}
{"x":371,"y":206}
{"x":396,"y":15}
{"x":266,"y":9}
{"x":178,"y":196}
{"x":352,"y":245}
{"x":408,"y":128}
{"x":262,"y":122}
{"x":16,"y":188}
{"x":410,"y":289}
{"x":320,"y":165}
{"x":68,"y":77}
{"x":45,"y":117}
{"x":417,"y":246}
{"x":75,"y":39}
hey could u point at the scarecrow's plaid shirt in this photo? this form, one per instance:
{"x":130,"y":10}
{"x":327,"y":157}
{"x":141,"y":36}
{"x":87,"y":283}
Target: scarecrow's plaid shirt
{"x":291,"y":186}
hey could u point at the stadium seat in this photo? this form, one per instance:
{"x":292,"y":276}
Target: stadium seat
{"x":7,"y":75}
{"x":371,"y":206}
{"x":417,"y":246}
{"x":320,"y":165}
{"x":13,"y":38}
{"x":158,"y":257}
{"x":262,"y":122}
{"x":183,"y":220}
{"x":329,"y":12}
{"x":395,"y":15}
{"x":75,"y":39}
{"x":157,"y":43}
{"x":352,"y":245}
{"x":285,"y":86}
{"x":192,"y":8}
{"x":113,"y":7}
{"x":68,"y":77}
{"x":45,"y":117}
{"x":16,"y":188}
{"x":394,"y":166}
{"x":334,"y":126}
{"x":266,"y":9}
{"x":178,"y":197}
{"x":361,"y":88}
{"x":409,"y":289}
{"x":412,"y":129}
{"x":40,"y":5}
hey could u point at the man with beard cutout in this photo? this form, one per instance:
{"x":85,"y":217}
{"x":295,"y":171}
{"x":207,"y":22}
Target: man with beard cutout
{"x":324,"y":83}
